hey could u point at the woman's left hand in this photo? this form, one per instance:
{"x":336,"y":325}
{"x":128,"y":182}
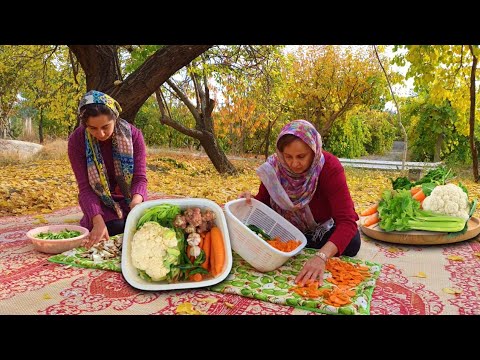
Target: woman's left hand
{"x":136,"y":199}
{"x":312,"y":270}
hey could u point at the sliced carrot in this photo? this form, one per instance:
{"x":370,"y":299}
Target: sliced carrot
{"x":286,"y":246}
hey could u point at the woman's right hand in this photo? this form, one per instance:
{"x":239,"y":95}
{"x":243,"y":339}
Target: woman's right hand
{"x":247,"y":195}
{"x":98,"y":233}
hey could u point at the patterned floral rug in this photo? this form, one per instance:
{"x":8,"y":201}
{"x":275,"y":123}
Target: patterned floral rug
{"x":414,"y":280}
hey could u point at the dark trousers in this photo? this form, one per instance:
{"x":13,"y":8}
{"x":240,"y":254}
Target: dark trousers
{"x":115,"y":227}
{"x":351,"y":249}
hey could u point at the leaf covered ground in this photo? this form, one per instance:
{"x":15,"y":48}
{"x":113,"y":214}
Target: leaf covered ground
{"x":41,"y":186}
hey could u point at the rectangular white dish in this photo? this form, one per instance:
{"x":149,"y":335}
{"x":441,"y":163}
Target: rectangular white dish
{"x":130,"y":272}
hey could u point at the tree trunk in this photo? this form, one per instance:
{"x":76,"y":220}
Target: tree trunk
{"x":438,"y":148}
{"x":216,"y":155}
{"x":267,"y":139}
{"x":325,"y":130}
{"x":40,"y":126}
{"x":100,"y":64}
{"x":473,"y":147}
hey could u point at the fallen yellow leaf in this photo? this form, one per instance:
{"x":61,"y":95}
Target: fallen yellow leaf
{"x":229,"y":305}
{"x":187,"y":308}
{"x":47,"y":296}
{"x":421,"y":274}
{"x":452,"y":291}
{"x":393,"y":249}
{"x":477,"y":254}
{"x":455,"y":258}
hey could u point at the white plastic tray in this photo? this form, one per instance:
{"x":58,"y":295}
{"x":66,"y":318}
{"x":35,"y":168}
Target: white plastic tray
{"x":130,"y":272}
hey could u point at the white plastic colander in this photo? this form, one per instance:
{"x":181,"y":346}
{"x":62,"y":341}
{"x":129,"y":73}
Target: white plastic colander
{"x":256,"y":251}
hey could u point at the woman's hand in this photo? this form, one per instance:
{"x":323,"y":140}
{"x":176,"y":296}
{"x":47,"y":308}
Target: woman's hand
{"x":136,"y":199}
{"x":247,"y":195}
{"x":98,"y":233}
{"x":312,"y":270}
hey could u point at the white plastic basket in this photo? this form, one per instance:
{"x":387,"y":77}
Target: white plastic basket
{"x":256,"y":251}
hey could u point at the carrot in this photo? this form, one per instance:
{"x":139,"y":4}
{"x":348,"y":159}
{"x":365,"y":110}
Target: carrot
{"x":369,"y":211}
{"x":419,"y":196}
{"x":207,"y":241}
{"x":372,"y":219}
{"x":196,"y":277}
{"x":415,"y":190}
{"x":217,"y":251}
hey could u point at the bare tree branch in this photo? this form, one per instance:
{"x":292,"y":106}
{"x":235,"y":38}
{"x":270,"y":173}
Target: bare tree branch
{"x":74,"y":68}
{"x":185,"y":100}
{"x":166,"y":120}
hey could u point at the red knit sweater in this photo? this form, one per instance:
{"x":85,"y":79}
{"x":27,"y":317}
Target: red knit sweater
{"x":331,"y":200}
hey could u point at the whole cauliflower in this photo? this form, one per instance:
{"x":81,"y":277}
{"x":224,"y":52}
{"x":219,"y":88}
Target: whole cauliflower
{"x":154,"y":250}
{"x":448,"y":199}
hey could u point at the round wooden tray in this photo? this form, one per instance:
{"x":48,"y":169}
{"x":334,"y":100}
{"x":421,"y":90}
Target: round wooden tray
{"x":421,"y":237}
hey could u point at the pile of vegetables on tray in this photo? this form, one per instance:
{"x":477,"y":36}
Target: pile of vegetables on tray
{"x":429,"y":204}
{"x":174,"y":245}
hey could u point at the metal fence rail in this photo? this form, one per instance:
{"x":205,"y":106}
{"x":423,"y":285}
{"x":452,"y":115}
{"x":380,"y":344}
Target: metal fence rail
{"x":388,"y":165}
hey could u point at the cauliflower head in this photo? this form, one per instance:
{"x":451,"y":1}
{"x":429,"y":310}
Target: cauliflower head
{"x":448,"y":199}
{"x":154,"y":250}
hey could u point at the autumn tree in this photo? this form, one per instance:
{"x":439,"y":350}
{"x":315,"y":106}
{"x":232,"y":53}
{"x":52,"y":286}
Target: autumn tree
{"x":447,"y":73}
{"x":194,"y":88}
{"x":54,"y":91}
{"x":16,"y":63}
{"x":253,"y":107}
{"x":236,"y":119}
{"x":327,"y":81}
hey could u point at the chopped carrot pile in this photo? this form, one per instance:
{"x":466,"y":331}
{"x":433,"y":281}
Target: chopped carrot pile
{"x":345,"y":273}
{"x":284,"y":246}
{"x":345,"y":276}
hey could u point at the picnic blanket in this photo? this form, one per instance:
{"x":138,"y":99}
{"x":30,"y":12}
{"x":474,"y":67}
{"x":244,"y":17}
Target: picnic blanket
{"x":413,"y":280}
{"x":275,"y":286}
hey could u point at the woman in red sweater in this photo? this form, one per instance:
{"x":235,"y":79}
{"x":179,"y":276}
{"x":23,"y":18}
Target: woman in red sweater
{"x":108,"y":159}
{"x":307,"y":186}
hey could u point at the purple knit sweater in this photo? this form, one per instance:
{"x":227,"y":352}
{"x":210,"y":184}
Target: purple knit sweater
{"x":90,"y":203}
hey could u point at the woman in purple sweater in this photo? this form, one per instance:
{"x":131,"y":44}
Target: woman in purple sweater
{"x":108,"y":158}
{"x":307,"y":186}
